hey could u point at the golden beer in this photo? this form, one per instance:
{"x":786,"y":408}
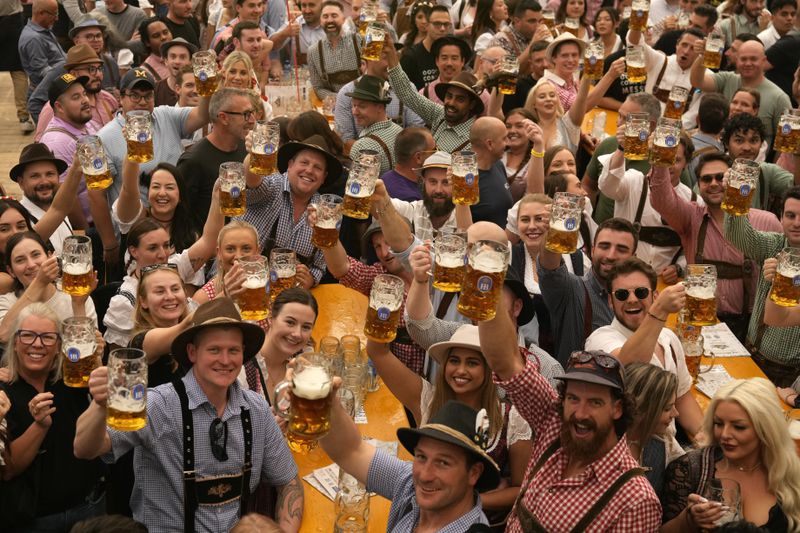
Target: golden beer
{"x":232,"y":201}
{"x":636,"y":147}
{"x":206,"y":85}
{"x":99,"y":182}
{"x":76,"y":366}
{"x":507,"y":84}
{"x":712,"y":59}
{"x":123,"y":419}
{"x":674,"y":109}
{"x":786,"y":288}
{"x":381,"y":324}
{"x":448,"y":274}
{"x":140,"y":151}
{"x":738,"y":198}
{"x":278,"y":285}
{"x":549,"y":20}
{"x":572,"y":25}
{"x":324,"y":237}
{"x":693,"y":365}
{"x":76,"y":279}
{"x":560,"y":239}
{"x":264,"y":164}
{"x":787,"y":138}
{"x":701,"y":304}
{"x":636,"y":73}
{"x":465,"y":189}
{"x":254,"y":300}
{"x":480,"y":292}
{"x":662,"y":155}
{"x":356,"y":206}
{"x":638,"y":20}
{"x":593,"y":67}
{"x":310,"y":408}
{"x":362,"y":27}
{"x":372,"y":51}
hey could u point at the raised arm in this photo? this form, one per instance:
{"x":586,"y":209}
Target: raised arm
{"x":402,"y":381}
{"x":418,"y":301}
{"x":498,"y":339}
{"x":578,"y":109}
{"x":423,"y":107}
{"x":37,"y":291}
{"x":612,"y":181}
{"x":395,"y":230}
{"x":63,"y":202}
{"x":206,"y":245}
{"x":289,"y":507}
{"x":597,"y":96}
{"x":157,"y":342}
{"x":336,"y":257}
{"x":198,"y":117}
{"x":698,"y":76}
{"x":129,"y":204}
{"x":535,"y":176}
{"x":91,"y":437}
{"x":675,"y":210}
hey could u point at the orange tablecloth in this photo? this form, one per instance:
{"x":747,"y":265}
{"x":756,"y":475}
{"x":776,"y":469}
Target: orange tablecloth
{"x":342,"y":312}
{"x":611,"y":121}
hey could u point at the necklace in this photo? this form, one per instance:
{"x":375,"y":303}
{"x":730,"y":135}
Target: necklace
{"x":742,"y":468}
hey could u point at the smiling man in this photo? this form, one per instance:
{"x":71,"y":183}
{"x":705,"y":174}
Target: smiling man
{"x":368,"y":105}
{"x":334,"y":61}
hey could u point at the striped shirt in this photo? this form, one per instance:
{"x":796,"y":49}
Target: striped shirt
{"x":345,"y":57}
{"x":387,"y":131}
{"x":448,"y":137}
{"x":781,"y":345}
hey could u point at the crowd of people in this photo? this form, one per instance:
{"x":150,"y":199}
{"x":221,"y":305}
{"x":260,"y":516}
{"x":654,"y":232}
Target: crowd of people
{"x":567,"y":407}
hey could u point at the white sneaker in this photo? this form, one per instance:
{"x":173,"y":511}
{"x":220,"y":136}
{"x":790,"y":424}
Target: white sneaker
{"x":27,"y":126}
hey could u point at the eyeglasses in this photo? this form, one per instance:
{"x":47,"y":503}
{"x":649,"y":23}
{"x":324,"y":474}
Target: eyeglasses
{"x":91,"y":69}
{"x":640,"y":292}
{"x":247,"y":115}
{"x":218,"y":435}
{"x":440,"y":24}
{"x":139,"y":97}
{"x":158,"y":266}
{"x":28,"y":337}
{"x":93,"y":36}
{"x":606,"y":362}
{"x":708,"y":178}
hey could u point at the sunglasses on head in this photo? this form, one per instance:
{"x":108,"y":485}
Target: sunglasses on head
{"x":158,"y":266}
{"x":640,"y":292}
{"x":218,"y":435}
{"x":708,"y":178}
{"x":606,"y":362}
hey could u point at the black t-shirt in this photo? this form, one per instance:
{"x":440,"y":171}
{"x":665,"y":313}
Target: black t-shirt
{"x":164,"y":370}
{"x":621,"y":87}
{"x":668,"y":42}
{"x":495,"y":198}
{"x":784,"y":57}
{"x":163,"y":95}
{"x":513,"y":101}
{"x":64,"y":481}
{"x":419,"y":65}
{"x":189,"y":30}
{"x":200,"y":168}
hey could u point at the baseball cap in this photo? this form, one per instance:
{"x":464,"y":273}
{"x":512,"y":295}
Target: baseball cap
{"x":135,"y":76}
{"x":60,"y":85}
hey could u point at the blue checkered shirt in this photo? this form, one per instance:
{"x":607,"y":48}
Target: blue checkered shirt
{"x":157,"y":499}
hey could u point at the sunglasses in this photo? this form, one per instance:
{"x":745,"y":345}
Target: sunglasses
{"x":158,"y":266}
{"x":640,"y":292}
{"x":606,"y":362}
{"x":218,"y":435}
{"x":28,"y":337}
{"x":708,"y":178}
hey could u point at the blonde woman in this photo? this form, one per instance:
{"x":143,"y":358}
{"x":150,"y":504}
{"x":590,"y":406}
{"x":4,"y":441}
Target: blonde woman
{"x":749,"y":442}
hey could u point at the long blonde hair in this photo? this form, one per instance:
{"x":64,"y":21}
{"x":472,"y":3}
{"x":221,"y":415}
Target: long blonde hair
{"x":758,"y":398}
{"x":529,"y":101}
{"x":10,"y":361}
{"x":652,"y":388}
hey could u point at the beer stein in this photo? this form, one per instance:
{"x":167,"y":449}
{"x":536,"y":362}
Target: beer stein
{"x":593,"y":60}
{"x":328,"y":110}
{"x":254,"y":299}
{"x":701,"y":289}
{"x":325,"y":233}
{"x":358,"y":190}
{"x":464,"y":173}
{"x":348,"y":401}
{"x":283,"y":271}
{"x":637,"y":130}
{"x":127,"y":390}
{"x":742,"y":183}
{"x":787,"y":138}
{"x":232,"y":192}
{"x":683,"y":19}
{"x":138,"y":131}
{"x":94,"y":163}
{"x":483,"y":280}
{"x":373,"y":42}
{"x":786,"y":283}
{"x":370,"y":159}
{"x":636,"y":67}
{"x":351,"y":350}
{"x":676,"y":104}
{"x":204,"y":65}
{"x":449,"y":251}
{"x":78,"y":346}
{"x":264,"y":151}
{"x":665,"y":142}
{"x":330,"y":347}
{"x":640,"y":10}
{"x":712,"y":56}
{"x":509,"y":72}
{"x":565,"y":221}
{"x":726,"y":493}
{"x":309,"y":413}
{"x":76,"y":265}
{"x":549,"y":19}
{"x":572,"y":25}
{"x":351,"y":504}
{"x":369,"y":14}
{"x":354,"y":379}
{"x":383,"y":314}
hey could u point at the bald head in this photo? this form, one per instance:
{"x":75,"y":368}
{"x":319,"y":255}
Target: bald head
{"x":486,"y":231}
{"x":489,"y":58}
{"x":488,"y":138}
{"x":44,"y":13}
{"x":750,"y":62}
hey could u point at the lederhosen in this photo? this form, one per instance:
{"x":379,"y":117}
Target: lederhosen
{"x":778,"y":373}
{"x":663,"y":94}
{"x":217,"y":490}
{"x":771,"y":202}
{"x":343,"y":77}
{"x":302,"y":59}
{"x":725,"y":270}
{"x":661,"y":236}
{"x":384,"y":147}
{"x":529,"y":523}
{"x":499,"y":453}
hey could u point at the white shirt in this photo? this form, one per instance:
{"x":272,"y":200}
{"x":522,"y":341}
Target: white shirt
{"x":63,"y":231}
{"x":769,"y":36}
{"x":625,"y":188}
{"x":418,"y":215}
{"x":660,"y":9}
{"x":60,"y":302}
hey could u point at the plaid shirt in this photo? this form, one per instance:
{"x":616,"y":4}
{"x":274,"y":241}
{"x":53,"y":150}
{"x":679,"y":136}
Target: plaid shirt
{"x":447,"y":137}
{"x":558,"y":503}
{"x":567,"y":90}
{"x":781,"y":345}
{"x":360,"y":277}
{"x":511,"y":41}
{"x":271,"y":202}
{"x":342,"y":58}
{"x":386,"y":131}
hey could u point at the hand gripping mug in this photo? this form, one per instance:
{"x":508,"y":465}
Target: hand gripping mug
{"x":233,"y":191}
{"x":78,"y":346}
{"x":264,"y":151}
{"x":712,"y":56}
{"x":76,"y":265}
{"x":325,"y":233}
{"x":665,"y":142}
{"x":358,"y":190}
{"x":283,"y":271}
{"x":383,"y":313}
{"x":635,"y":64}
{"x":593,"y":60}
{"x":701,"y":294}
{"x":786,"y":284}
{"x":483,"y":280}
{"x":254,"y":299}
{"x":94,"y":163}
{"x":127,"y":390}
{"x":742,"y":183}
{"x":449,"y":252}
{"x":637,"y":130}
{"x":565,"y":221}
{"x":138,"y":131}
{"x":640,"y":10}
{"x":309,"y":413}
{"x":204,"y":65}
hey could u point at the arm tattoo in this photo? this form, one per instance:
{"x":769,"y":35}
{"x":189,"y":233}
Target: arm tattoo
{"x":290,"y":501}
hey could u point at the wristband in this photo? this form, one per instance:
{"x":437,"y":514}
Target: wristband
{"x":534,"y":153}
{"x":621,"y":148}
{"x":654,"y":316}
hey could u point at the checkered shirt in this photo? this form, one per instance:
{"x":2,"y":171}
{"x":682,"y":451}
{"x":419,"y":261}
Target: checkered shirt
{"x":271,"y":201}
{"x":510,"y":40}
{"x":781,"y":345}
{"x":386,"y":131}
{"x":157,"y":499}
{"x":344,"y":57}
{"x":360,"y":277}
{"x":558,"y":503}
{"x":567,"y":90}
{"x":447,"y":137}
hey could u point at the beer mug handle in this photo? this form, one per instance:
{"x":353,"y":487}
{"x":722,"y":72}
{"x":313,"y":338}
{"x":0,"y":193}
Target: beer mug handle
{"x":701,"y":370}
{"x":282,"y":411}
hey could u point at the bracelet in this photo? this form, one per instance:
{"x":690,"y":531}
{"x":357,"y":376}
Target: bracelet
{"x":654,"y":316}
{"x":621,"y":148}
{"x":534,"y":153}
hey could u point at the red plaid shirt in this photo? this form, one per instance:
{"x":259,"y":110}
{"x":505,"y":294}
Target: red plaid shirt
{"x":557,"y":503}
{"x":360,"y":277}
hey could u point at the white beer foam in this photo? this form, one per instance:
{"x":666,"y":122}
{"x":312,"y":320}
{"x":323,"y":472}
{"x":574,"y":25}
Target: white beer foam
{"x":255,"y":283}
{"x":313,"y":383}
{"x":450,"y":261}
{"x":789,"y":272}
{"x":126,"y":405}
{"x":701,"y":293}
{"x":560,"y":226}
{"x":77,"y":269}
{"x":488,"y":262}
{"x":326,"y":224}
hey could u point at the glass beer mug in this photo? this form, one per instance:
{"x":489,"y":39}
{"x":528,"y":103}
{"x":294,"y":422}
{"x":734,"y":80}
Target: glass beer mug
{"x":283,"y":271}
{"x":701,"y":290}
{"x":565,"y":221}
{"x":369,"y":14}
{"x":549,"y":18}
{"x":373,"y":42}
{"x":449,"y":252}
{"x":665,"y":142}
{"x":464,"y":173}
{"x":712,"y":56}
{"x":76,"y":265}
{"x":742,"y":183}
{"x":351,"y":504}
{"x":127,"y":390}
{"x":572,"y":25}
{"x":383,"y":313}
{"x":254,"y":299}
{"x":509,"y":72}
{"x":204,"y":65}
{"x":787,"y":138}
{"x":640,"y":10}
{"x":78,"y":346}
{"x":786,"y":284}
{"x":264,"y":150}
{"x":593,"y":60}
{"x":358,"y":190}
{"x":138,"y":131}
{"x":636,"y":68}
{"x":325,"y":233}
{"x":309,"y":413}
{"x":233,"y":191}
{"x":483,"y":279}
{"x":637,"y":130}
{"x":676,"y":104}
{"x":94,"y":163}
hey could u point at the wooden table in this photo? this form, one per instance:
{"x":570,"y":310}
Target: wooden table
{"x":611,"y":121}
{"x":342,"y":312}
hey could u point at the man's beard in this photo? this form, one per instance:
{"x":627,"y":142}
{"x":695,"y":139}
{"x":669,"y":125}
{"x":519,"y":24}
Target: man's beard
{"x":93,"y":90}
{"x":434,"y":209}
{"x":583,"y":450}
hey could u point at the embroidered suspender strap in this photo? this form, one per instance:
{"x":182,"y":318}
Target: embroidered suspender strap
{"x":322,"y":68}
{"x":190,"y":503}
{"x":61,"y":130}
{"x":247,"y":433}
{"x":661,"y":94}
{"x":384,"y":147}
{"x":600,"y":504}
{"x":444,"y":304}
{"x":355,"y":47}
{"x":587,"y":313}
{"x":460,"y":146}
